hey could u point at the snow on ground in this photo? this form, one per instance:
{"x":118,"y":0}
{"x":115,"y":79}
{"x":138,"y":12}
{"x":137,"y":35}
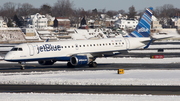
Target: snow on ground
{"x":101,"y":77}
{"x":164,"y":46}
{"x":83,"y":97}
{"x":138,"y":60}
{"x":154,"y":51}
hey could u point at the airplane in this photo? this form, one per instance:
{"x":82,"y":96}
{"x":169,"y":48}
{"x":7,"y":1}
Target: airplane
{"x":82,"y":52}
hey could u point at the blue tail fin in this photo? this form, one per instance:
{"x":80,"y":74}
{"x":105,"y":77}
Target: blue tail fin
{"x":144,"y":25}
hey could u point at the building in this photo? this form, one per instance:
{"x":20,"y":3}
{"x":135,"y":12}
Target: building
{"x":1,"y":22}
{"x":63,"y":22}
{"x":29,"y":31}
{"x":155,"y":23}
{"x":123,"y":24}
{"x":176,"y":22}
{"x":5,"y":24}
{"x":50,"y":21}
{"x":37,"y":21}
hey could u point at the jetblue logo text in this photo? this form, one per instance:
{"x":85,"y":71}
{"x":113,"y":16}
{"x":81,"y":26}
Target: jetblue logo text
{"x":48,"y":47}
{"x":143,"y":30}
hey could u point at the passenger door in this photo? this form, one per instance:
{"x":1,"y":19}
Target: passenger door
{"x":127,"y":43}
{"x":31,"y":49}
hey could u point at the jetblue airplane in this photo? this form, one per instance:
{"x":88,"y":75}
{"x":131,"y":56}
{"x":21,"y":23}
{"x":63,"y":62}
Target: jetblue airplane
{"x":83,"y":52}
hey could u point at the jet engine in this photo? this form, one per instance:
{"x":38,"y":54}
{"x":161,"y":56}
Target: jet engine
{"x":79,"y":60}
{"x":46,"y":62}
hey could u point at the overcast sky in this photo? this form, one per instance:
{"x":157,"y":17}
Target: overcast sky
{"x":103,"y":4}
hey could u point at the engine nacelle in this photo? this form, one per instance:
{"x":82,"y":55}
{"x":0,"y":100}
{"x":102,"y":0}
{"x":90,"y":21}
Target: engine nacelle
{"x":47,"y":62}
{"x":79,"y":60}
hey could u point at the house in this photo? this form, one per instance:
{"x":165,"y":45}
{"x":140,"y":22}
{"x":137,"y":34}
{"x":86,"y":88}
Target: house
{"x":29,"y":31}
{"x":129,"y":23}
{"x":155,"y":23}
{"x":5,"y":24}
{"x":1,"y":21}
{"x":50,"y":21}
{"x":62,"y":22}
{"x":176,"y":22}
{"x":120,"y":16}
{"x":36,"y":21}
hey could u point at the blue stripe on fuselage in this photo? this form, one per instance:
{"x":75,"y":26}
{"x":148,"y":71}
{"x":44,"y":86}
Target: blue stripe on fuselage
{"x":39,"y":59}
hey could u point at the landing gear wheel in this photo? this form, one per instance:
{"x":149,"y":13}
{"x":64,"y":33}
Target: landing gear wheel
{"x":69,"y":65}
{"x":22,"y":67}
{"x":92,"y":64}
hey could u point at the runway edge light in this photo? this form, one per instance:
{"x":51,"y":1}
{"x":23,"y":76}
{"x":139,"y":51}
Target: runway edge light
{"x":120,"y":71}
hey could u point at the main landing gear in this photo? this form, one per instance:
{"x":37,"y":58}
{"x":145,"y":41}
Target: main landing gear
{"x":22,"y":65}
{"x":92,"y":64}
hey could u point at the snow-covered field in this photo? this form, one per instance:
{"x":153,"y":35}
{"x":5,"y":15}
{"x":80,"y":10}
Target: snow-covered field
{"x":83,"y":97}
{"x":101,"y":77}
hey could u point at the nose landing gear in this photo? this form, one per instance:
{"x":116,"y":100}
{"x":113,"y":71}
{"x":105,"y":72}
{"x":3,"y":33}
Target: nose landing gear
{"x":22,"y":65}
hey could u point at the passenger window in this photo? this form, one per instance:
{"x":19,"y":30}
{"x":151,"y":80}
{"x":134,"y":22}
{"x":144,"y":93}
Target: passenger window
{"x":94,"y":45}
{"x":83,"y":45}
{"x":109,"y":43}
{"x":112,"y":43}
{"x":65,"y":46}
{"x":68,"y":46}
{"x":90,"y":44}
{"x":72,"y":46}
{"x":61,"y":46}
{"x":57,"y":47}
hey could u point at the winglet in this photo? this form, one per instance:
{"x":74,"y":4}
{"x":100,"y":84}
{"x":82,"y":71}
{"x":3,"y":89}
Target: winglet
{"x":144,"y":25}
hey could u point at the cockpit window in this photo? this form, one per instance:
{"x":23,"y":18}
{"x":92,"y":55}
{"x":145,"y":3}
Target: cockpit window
{"x":20,"y":49}
{"x":16,"y":49}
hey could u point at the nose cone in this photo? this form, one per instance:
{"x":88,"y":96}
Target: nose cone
{"x":8,"y":57}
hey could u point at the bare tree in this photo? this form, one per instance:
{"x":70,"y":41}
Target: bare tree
{"x":100,"y":11}
{"x":132,"y":12}
{"x":122,"y":12}
{"x":8,"y":9}
{"x":45,"y":9}
{"x":63,"y":8}
{"x":111,"y":13}
{"x":25,"y":9}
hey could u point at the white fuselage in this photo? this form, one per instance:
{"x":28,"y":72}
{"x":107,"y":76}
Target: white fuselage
{"x":62,"y":50}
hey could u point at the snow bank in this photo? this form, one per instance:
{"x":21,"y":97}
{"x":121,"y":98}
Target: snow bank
{"x":83,"y":97}
{"x":104,"y":77}
{"x":138,"y":60}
